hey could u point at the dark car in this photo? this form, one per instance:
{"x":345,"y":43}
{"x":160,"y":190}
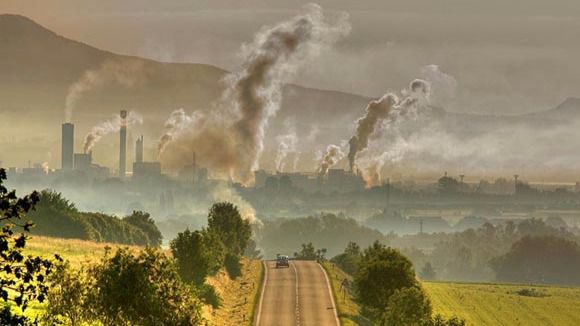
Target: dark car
{"x":282,"y":261}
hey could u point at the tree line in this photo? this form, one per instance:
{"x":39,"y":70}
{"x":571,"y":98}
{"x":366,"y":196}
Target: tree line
{"x":55,"y":216}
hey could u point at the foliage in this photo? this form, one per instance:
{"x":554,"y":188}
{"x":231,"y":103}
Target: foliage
{"x":252,"y":250}
{"x":198,"y":254}
{"x":233,"y":266}
{"x":466,"y":256}
{"x":324,"y":231}
{"x":427,"y":272}
{"x":381,"y":272}
{"x":348,"y":261}
{"x":22,"y":279}
{"x":225,"y":221}
{"x":55,"y":216}
{"x":407,"y":306}
{"x":308,"y":252}
{"x":126,"y":289}
{"x":144,"y":222}
{"x":439,"y":320}
{"x":547,"y":259}
{"x":68,"y":297}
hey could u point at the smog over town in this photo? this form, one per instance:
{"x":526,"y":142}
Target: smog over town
{"x":400,"y":158}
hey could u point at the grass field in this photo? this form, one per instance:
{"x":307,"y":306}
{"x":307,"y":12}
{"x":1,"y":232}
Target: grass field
{"x":239,"y":295}
{"x":499,"y":304}
{"x":481,"y":304}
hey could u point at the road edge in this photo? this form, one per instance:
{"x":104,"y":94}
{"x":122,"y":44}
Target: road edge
{"x":257,"y":311}
{"x":331,"y":293}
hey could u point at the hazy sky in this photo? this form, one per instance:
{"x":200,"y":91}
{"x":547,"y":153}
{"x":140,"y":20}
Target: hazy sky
{"x":507,"y":56}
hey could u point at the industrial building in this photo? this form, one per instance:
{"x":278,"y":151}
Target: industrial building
{"x":67,"y":146}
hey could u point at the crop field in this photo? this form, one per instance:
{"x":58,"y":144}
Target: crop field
{"x":505,"y":304}
{"x":481,"y":303}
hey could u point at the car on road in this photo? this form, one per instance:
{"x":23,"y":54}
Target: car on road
{"x":282,"y":261}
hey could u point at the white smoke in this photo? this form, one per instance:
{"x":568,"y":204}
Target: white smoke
{"x":177,"y":123}
{"x":332,"y":156}
{"x":286,"y":144}
{"x":126,"y":72}
{"x":110,"y":126}
{"x":231,"y":139}
{"x":222,"y":192}
{"x":443,"y":86}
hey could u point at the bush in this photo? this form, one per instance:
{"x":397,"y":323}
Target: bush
{"x":124,"y":289}
{"x":145,"y":223}
{"x":198,"y":254}
{"x":381,"y":272}
{"x":55,"y":216}
{"x":349,"y":260}
{"x":407,"y":306}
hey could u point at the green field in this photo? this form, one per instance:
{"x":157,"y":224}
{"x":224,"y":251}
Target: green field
{"x":481,"y":304}
{"x":499,"y":304}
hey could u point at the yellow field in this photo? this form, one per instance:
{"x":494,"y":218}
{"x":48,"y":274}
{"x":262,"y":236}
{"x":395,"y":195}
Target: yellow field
{"x":73,"y":250}
{"x":498,"y":304}
{"x":480,"y":304}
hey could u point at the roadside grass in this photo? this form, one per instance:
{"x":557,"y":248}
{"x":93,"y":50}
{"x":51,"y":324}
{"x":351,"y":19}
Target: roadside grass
{"x":348,"y":310}
{"x":239,"y":296}
{"x":506,"y":304}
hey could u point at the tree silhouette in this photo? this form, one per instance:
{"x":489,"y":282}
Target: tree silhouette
{"x":22,"y":279}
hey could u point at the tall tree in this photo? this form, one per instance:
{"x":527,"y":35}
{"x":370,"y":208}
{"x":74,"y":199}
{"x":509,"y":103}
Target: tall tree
{"x":225,"y":221}
{"x":381,"y":272}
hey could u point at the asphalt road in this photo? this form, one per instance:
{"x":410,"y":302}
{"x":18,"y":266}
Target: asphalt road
{"x":296,"y":296}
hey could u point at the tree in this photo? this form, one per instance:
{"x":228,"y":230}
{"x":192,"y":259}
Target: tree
{"x":382,"y":271}
{"x":144,"y":222}
{"x":225,"y":221}
{"x":22,"y":279}
{"x":407,"y":306}
{"x":198,"y":254}
{"x":349,"y":260}
{"x":68,"y":297}
{"x":142,"y":289}
{"x":252,"y":250}
{"x":546,"y":259}
{"x":308,"y":252}
{"x":427,"y":272}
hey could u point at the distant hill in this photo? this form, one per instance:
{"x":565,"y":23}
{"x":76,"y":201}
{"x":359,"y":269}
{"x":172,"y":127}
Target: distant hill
{"x":37,"y":67}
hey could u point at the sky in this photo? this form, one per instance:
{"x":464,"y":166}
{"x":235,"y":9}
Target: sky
{"x":507,"y":57}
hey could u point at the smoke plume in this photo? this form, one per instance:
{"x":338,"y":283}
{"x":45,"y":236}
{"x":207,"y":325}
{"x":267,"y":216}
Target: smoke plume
{"x":387,"y":107}
{"x":222,"y":192}
{"x":108,"y":127}
{"x":332,"y":156}
{"x":286,"y":144}
{"x":176,"y":124}
{"x":231,"y":140}
{"x":127,"y":73}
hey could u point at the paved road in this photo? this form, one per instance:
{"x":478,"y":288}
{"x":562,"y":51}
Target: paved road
{"x":296,"y":296}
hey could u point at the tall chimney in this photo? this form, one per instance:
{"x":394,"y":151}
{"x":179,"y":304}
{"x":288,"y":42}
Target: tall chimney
{"x":68,"y":145}
{"x":139,"y":150}
{"x":123,"y":145}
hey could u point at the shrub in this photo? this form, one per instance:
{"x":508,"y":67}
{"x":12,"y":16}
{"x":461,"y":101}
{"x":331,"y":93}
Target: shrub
{"x":407,"y":306}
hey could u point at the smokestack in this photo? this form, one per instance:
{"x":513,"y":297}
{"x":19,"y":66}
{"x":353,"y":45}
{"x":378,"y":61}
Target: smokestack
{"x":123,"y":145}
{"x":68,"y":144}
{"x":139,"y":150}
